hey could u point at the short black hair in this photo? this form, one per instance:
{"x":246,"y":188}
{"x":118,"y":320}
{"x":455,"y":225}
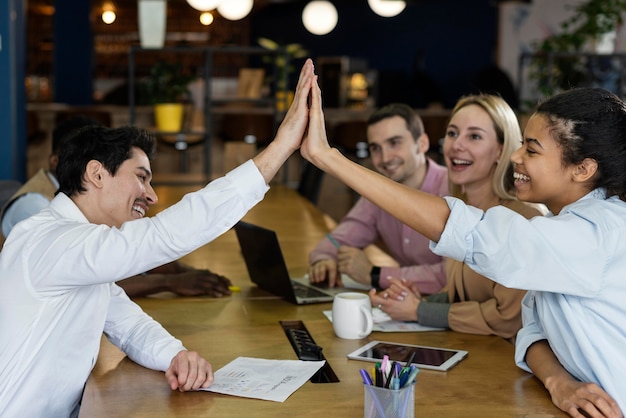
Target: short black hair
{"x":110,"y":146}
{"x":69,"y":127}
{"x":590,"y":122}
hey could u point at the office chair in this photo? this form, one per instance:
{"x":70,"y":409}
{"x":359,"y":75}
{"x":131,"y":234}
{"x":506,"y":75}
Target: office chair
{"x":310,"y":182}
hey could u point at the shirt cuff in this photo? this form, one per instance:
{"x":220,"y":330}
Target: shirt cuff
{"x":457,"y":234}
{"x":249,"y":179}
{"x":433,"y":314}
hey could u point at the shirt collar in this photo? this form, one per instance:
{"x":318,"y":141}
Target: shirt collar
{"x":65,"y":207}
{"x":597,"y":194}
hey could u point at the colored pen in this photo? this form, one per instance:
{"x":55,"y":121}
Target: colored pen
{"x":411,"y":357}
{"x":366,"y":377}
{"x":234,"y":288}
{"x":412,"y":376}
{"x":396,"y":369}
{"x":332,"y":240}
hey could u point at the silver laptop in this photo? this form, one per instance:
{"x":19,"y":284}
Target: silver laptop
{"x":267,"y":269}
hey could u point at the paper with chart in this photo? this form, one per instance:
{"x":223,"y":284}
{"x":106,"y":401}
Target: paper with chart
{"x":384,"y":323}
{"x":271,"y":380}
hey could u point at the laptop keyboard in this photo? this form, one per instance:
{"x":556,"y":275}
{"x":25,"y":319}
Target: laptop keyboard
{"x":302,"y":291}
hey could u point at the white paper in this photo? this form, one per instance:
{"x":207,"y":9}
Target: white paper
{"x":270,"y":380}
{"x":384,"y":323}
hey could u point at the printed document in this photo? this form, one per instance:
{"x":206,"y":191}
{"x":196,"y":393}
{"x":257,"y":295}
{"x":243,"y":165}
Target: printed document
{"x":270,"y":380}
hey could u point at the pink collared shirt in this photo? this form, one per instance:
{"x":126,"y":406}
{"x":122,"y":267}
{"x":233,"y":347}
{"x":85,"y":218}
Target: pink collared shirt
{"x":366,"y":223}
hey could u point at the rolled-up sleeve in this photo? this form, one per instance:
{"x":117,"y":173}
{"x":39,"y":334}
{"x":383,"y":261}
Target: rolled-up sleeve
{"x":530,"y":333}
{"x":457,"y":235}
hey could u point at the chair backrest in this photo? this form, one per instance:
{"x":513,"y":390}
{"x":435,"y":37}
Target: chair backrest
{"x":310,"y":182}
{"x":8,"y":189}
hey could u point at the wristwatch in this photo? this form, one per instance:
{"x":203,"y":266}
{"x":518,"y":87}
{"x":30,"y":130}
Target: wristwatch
{"x":375,"y":276}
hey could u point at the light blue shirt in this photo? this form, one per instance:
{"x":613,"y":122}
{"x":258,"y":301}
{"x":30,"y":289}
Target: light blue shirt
{"x":575,"y":265}
{"x":24,"y":207}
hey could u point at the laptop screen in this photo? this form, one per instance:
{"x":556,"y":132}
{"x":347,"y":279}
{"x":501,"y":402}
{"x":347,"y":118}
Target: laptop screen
{"x":264,"y":259}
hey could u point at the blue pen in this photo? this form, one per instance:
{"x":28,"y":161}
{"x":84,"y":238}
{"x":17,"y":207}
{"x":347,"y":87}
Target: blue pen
{"x":411,"y":376}
{"x":366,"y":377}
{"x":332,"y":240}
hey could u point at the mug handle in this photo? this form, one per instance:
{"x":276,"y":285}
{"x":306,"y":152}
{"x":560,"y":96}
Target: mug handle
{"x":369,"y":321}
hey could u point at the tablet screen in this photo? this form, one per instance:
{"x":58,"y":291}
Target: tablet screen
{"x":423,"y":355}
{"x":433,"y":358}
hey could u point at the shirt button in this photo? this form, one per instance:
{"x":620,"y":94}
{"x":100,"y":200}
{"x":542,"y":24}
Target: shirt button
{"x":407,"y":241}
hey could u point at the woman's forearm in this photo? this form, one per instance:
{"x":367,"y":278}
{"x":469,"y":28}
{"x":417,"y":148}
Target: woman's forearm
{"x":421,"y":211}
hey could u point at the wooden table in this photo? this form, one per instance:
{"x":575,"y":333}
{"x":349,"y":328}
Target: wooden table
{"x":486,"y":384}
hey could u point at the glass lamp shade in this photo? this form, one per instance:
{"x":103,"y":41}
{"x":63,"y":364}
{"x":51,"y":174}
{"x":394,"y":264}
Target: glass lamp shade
{"x":152,"y":19}
{"x":387,"y":8}
{"x":205,"y":5}
{"x":108,"y":16}
{"x":235,"y":9}
{"x":319,"y":17}
{"x":206,"y":18}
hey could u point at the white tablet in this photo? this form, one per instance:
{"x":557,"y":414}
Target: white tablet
{"x":433,"y":358}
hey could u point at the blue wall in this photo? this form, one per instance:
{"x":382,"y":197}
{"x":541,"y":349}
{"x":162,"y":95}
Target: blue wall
{"x":12,"y":92}
{"x":451,"y":40}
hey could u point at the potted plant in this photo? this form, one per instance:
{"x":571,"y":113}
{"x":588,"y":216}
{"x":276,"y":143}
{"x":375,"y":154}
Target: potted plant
{"x":557,"y":63}
{"x":283,"y":64}
{"x":166,"y":88}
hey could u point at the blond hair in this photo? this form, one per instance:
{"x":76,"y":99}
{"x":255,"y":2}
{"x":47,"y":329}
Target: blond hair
{"x":508,"y":133}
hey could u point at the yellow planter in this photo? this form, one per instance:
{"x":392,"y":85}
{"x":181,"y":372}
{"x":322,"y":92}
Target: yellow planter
{"x":168,"y":116}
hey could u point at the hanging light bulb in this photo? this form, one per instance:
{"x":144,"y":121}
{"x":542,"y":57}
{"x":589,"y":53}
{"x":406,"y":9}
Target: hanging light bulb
{"x":108,"y":16}
{"x":108,"y":12}
{"x":235,"y":9}
{"x":205,"y":5}
{"x":319,"y":17}
{"x":387,"y":8}
{"x":206,"y":18}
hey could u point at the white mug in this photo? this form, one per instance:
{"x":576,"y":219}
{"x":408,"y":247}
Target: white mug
{"x":352,"y":315}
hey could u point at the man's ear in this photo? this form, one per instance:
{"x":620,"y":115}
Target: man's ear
{"x":53,"y":161}
{"x":585,"y":171}
{"x":94,"y":173}
{"x":423,"y":143}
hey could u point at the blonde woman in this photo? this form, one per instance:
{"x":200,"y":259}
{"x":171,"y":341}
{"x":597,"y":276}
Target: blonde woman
{"x":482,"y":134}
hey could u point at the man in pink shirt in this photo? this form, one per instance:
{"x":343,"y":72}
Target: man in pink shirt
{"x":398,"y":146}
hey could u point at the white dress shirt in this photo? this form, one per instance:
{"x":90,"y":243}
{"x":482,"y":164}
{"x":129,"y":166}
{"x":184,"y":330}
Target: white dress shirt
{"x":57,"y":291}
{"x":575,"y":266}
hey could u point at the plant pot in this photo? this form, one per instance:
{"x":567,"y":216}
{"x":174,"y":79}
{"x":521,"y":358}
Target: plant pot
{"x":168,"y":117}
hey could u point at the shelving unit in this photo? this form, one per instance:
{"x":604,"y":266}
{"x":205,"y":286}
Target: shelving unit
{"x":208,"y":61}
{"x":592,"y":69}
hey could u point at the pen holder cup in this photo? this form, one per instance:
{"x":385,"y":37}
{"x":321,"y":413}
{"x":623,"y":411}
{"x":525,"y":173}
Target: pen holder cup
{"x":387,"y":403}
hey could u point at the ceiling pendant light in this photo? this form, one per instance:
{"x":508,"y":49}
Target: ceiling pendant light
{"x":205,"y":5}
{"x":387,"y":8}
{"x":319,"y":17}
{"x":235,"y":9}
{"x":206,"y":18}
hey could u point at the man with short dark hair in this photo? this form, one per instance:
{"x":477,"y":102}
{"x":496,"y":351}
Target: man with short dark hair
{"x":59,"y":267}
{"x":175,"y":277}
{"x":398,"y":145}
